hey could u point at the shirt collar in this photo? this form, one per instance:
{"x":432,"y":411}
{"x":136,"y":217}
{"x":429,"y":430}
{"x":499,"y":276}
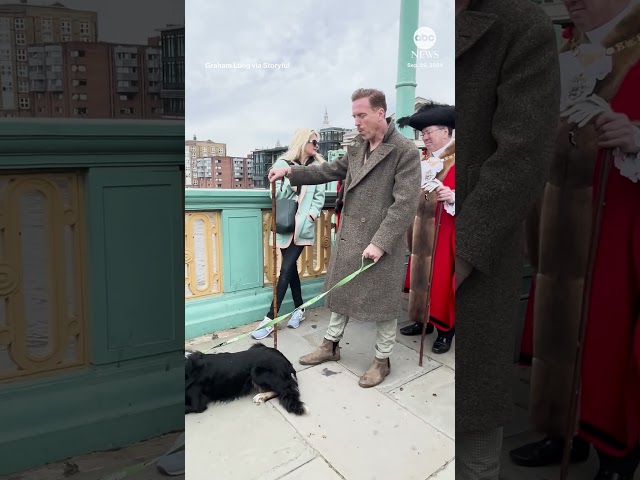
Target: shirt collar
{"x":438,"y":152}
{"x":597,"y":35}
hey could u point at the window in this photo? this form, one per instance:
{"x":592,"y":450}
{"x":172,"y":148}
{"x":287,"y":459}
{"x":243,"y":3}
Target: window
{"x":39,"y":95}
{"x":154,"y":84}
{"x":5,"y":70}
{"x":80,"y":111}
{"x":21,"y":55}
{"x":54,"y":68}
{"x":66,"y":38}
{"x":46,"y":24}
{"x":79,"y":83}
{"x":154,"y":71}
{"x":157,"y":110}
{"x":23,"y":86}
{"x":5,"y":23}
{"x":59,"y":110}
{"x":78,"y":68}
{"x":220,"y":151}
{"x":84,"y":28}
{"x":126,"y":56}
{"x":77,"y":53}
{"x":42,"y":109}
{"x":5,"y":54}
{"x":24,"y":103}
{"x":47,"y":38}
{"x":19,"y":23}
{"x":127,"y":111}
{"x":79,"y":96}
{"x":55,"y":84}
{"x":21,"y":39}
{"x":85,"y":39}
{"x":65,"y":26}
{"x":59,"y":96}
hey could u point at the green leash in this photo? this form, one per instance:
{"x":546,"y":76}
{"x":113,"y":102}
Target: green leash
{"x":345,"y":280}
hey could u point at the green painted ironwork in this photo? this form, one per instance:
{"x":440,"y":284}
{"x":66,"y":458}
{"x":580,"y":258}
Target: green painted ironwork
{"x":132,"y":389}
{"x":406,"y":75}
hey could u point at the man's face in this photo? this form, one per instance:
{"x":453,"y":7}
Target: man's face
{"x":590,"y":14}
{"x":367,"y":120}
{"x":435,"y":137}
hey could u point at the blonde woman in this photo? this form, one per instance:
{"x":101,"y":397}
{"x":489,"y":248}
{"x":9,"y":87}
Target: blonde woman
{"x":303,"y":150}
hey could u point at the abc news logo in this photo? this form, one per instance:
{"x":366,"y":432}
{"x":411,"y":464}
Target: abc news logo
{"x":424,"y":38}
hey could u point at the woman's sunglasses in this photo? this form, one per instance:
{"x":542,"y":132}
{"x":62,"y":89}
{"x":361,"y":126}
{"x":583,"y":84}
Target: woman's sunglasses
{"x":314,"y":142}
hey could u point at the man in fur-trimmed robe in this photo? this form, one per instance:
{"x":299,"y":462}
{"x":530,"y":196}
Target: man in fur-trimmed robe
{"x":436,"y":122}
{"x":601,"y":75}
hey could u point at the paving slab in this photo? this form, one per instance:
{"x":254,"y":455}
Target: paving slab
{"x":96,"y":466}
{"x":431,"y":397}
{"x":316,"y":469}
{"x":447,"y":473}
{"x":448,"y":359}
{"x":363,"y":433}
{"x":358,"y":351}
{"x":242,"y":441}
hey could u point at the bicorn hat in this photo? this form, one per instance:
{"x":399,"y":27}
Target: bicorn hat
{"x":430,"y":114}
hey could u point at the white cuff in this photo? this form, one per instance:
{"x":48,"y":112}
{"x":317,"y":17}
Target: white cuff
{"x":450,"y":208}
{"x":629,"y":163}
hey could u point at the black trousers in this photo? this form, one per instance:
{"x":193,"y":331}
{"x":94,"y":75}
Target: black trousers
{"x":288,"y":277}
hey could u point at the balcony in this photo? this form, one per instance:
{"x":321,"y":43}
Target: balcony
{"x":229,"y":263}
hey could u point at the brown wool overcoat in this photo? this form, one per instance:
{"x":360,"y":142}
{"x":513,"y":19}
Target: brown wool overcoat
{"x":508,"y":94}
{"x":379,"y":205}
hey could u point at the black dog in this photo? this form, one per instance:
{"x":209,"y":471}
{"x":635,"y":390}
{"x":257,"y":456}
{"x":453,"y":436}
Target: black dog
{"x":223,"y":377}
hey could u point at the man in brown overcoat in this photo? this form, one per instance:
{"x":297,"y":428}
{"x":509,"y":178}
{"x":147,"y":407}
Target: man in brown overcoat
{"x":381,"y":174}
{"x":507,"y":94}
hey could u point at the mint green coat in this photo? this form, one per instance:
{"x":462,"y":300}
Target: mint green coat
{"x":310,"y":203}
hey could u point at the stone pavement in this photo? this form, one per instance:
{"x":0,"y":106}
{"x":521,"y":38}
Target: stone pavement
{"x":404,"y":429}
{"x":97,"y":466}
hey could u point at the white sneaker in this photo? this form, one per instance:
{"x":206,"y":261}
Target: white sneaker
{"x":260,"y":332}
{"x":296,"y":318}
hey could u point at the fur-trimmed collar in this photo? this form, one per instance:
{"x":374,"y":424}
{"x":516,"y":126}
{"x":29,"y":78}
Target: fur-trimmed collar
{"x":450,"y":150}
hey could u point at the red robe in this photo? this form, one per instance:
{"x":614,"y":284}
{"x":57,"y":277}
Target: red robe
{"x":443,"y":301}
{"x":610,"y":390}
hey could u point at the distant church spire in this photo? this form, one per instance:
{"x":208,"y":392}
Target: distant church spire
{"x":325,"y":123}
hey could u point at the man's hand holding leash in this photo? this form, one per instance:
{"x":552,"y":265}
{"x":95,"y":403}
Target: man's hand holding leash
{"x":373,"y":252}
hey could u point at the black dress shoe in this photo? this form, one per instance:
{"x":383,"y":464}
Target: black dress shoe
{"x":604,"y":474}
{"x":415,"y":329}
{"x":442,"y":344}
{"x":548,"y":451}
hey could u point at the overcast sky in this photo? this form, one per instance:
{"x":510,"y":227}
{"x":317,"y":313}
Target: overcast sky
{"x":331,"y":47}
{"x":125,"y":21}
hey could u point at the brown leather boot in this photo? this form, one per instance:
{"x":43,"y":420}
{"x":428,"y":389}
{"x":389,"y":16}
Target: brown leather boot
{"x":327,"y":352}
{"x":377,"y":372}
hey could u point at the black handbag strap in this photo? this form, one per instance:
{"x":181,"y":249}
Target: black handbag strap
{"x":295,"y":191}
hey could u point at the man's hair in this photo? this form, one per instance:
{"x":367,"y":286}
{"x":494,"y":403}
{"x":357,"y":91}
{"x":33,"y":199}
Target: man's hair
{"x":376,"y":97}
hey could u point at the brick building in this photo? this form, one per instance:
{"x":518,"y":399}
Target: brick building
{"x":23,"y":25}
{"x":68,"y":80}
{"x":222,"y":172}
